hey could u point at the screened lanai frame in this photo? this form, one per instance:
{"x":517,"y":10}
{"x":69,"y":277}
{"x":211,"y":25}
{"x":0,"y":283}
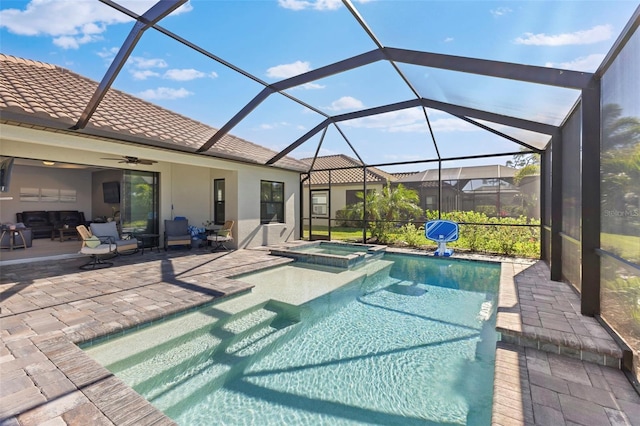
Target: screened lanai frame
{"x":570,"y":235}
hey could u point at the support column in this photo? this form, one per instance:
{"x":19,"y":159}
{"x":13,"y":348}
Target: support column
{"x":556,"y":207}
{"x":590,"y":175}
{"x":543,"y":206}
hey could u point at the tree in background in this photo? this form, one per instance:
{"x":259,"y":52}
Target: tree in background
{"x":385,"y":209}
{"x":528,"y":164}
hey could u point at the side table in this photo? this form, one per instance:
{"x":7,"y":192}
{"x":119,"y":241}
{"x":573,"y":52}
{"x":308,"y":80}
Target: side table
{"x":149,"y":240}
{"x":10,"y":235}
{"x":64,"y":234}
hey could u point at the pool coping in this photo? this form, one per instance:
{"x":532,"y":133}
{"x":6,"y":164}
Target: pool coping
{"x":46,"y":376}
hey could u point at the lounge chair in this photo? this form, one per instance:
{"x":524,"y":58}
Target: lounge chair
{"x":221,"y":236}
{"x":96,"y":248}
{"x":176,"y":232}
{"x":110,"y":231}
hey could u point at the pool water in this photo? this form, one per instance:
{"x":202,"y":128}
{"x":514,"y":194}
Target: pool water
{"x":413,"y":343}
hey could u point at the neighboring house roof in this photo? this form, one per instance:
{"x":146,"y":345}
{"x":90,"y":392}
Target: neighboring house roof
{"x":347,"y":170}
{"x":462,"y":173}
{"x":41,"y":94}
{"x":402,"y":175}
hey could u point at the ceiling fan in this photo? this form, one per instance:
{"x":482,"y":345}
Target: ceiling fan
{"x":131,"y":160}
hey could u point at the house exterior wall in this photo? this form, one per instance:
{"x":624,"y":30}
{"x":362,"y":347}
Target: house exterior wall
{"x":338,"y":197}
{"x":186,"y":181}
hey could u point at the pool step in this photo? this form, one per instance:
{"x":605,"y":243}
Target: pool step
{"x":205,"y":357}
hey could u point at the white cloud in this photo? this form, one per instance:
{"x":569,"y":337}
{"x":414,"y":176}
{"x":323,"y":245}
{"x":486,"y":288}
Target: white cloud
{"x":310,"y":4}
{"x":277,"y":125}
{"x":593,"y":35}
{"x":500,"y":11}
{"x":314,"y":4}
{"x":452,"y":125}
{"x":143,"y":74}
{"x":394,"y":121}
{"x":108,"y":54}
{"x":70,"y":23}
{"x":183,"y":74}
{"x":69,"y":42}
{"x":164,"y":93}
{"x":346,"y":102}
{"x":584,"y":63}
{"x":289,"y":70}
{"x":448,"y":39}
{"x":312,"y":86}
{"x":412,"y":121}
{"x":146,"y":63}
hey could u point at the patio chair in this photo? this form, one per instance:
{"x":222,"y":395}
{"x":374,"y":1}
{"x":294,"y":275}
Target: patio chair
{"x":221,"y":236}
{"x":176,"y":233}
{"x":96,"y":248}
{"x":109,"y":230}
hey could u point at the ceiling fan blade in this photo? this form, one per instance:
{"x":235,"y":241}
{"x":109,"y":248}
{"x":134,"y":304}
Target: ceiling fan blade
{"x":125,"y":159}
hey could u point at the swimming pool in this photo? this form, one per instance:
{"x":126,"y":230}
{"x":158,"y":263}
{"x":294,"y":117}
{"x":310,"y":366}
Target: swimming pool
{"x":403,"y":340}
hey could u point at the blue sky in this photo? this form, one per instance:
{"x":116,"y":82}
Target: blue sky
{"x":273,"y":40}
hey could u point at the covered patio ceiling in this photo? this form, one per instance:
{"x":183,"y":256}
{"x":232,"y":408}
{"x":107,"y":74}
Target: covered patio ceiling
{"x":519,"y":105}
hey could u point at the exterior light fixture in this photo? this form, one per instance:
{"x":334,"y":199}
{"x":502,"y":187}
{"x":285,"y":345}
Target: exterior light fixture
{"x":48,"y":163}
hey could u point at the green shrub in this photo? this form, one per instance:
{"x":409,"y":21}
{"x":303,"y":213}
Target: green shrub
{"x":493,"y":236}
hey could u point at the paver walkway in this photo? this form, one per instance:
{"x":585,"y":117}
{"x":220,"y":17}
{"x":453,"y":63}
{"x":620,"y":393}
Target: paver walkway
{"x":48,"y":307}
{"x":553,"y":365}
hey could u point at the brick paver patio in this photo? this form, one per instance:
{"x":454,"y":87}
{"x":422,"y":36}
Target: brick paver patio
{"x":553,"y":366}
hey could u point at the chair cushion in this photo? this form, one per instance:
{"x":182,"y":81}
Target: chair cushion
{"x":92,"y":241}
{"x":174,"y":238}
{"x":176,"y":227}
{"x":101,"y":249}
{"x":129,"y":244}
{"x":107,"y":229}
{"x":220,"y":238}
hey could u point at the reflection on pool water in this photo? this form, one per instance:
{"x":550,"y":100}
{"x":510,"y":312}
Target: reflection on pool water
{"x":408,"y":340}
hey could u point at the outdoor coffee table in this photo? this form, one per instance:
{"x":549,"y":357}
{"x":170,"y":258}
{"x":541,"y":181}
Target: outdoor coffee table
{"x":148,"y":240}
{"x":64,"y":234}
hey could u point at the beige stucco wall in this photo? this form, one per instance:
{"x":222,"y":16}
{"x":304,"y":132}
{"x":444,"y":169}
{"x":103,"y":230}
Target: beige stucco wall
{"x":338,"y":197}
{"x":186,"y":180}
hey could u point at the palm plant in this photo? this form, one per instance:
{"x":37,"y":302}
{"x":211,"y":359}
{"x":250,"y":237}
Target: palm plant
{"x":385,"y":209}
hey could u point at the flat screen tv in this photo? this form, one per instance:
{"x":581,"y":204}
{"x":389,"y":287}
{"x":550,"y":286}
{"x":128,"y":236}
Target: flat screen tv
{"x":111,"y":192}
{"x":6,"y":166}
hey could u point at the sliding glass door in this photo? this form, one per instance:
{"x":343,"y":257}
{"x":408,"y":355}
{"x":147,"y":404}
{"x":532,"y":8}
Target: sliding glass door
{"x":139,"y":203}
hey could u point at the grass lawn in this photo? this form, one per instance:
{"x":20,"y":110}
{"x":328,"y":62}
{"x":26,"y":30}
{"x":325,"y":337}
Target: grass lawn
{"x":337,"y":233}
{"x":625,"y":246}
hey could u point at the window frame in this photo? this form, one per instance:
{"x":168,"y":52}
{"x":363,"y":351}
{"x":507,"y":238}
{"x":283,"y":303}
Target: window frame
{"x":218,"y":204}
{"x":269,"y":202}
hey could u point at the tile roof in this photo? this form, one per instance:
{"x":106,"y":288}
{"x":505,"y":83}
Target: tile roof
{"x":44,"y":94}
{"x":343,"y":174}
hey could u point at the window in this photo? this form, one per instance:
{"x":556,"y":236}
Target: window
{"x":271,"y":202}
{"x":320,"y":203}
{"x":352,"y":195}
{"x":218,"y":201}
{"x":430,"y":202}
